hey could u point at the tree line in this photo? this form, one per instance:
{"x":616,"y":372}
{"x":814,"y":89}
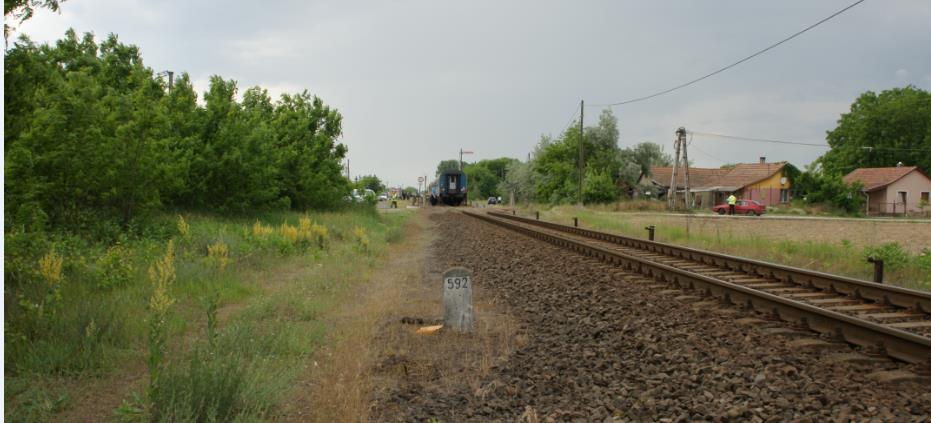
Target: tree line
{"x":551,"y":173}
{"x":92,"y":134}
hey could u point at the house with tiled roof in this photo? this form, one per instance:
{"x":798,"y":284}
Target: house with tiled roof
{"x":893,"y":190}
{"x":765,"y":182}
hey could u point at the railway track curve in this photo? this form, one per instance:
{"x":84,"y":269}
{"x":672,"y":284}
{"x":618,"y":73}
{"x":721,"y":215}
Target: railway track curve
{"x":879,"y":318}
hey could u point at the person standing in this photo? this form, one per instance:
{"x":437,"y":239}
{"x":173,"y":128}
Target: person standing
{"x":732,"y":204}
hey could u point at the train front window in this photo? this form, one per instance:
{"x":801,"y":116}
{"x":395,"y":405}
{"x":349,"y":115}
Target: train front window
{"x":452,"y":182}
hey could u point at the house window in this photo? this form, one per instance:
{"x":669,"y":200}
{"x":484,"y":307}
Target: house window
{"x":925,"y":197}
{"x":783,"y":195}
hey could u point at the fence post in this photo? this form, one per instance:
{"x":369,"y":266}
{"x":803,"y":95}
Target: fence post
{"x":877,"y":269}
{"x":575,"y":222}
{"x":538,"y":215}
{"x":651,"y":229}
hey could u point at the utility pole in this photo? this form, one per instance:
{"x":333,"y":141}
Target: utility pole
{"x":685,"y":163}
{"x":671,"y":195}
{"x":581,"y":148}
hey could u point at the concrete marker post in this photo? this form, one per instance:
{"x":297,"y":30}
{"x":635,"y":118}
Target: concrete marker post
{"x":457,"y":300}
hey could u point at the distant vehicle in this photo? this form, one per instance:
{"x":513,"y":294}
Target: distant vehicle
{"x":742,"y":207}
{"x":492,"y":200}
{"x":360,"y":195}
{"x":383,"y":197}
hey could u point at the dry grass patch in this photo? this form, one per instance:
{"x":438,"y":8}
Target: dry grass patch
{"x":372,"y":352}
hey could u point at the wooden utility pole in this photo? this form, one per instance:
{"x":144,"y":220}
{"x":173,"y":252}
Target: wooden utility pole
{"x":685,"y":163}
{"x":581,"y":149}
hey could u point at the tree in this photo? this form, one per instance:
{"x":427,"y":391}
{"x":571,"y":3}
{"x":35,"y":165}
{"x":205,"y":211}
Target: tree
{"x":484,"y":176}
{"x":518,"y":181}
{"x":556,"y":160}
{"x":882,"y":130}
{"x":482,"y":183}
{"x":92,"y":137}
{"x":409,"y":191}
{"x":447,"y":166}
{"x":371,"y":182}
{"x":22,"y":10}
{"x":306,"y":131}
{"x":816,"y":186}
{"x":598,"y":187}
{"x":647,"y":154}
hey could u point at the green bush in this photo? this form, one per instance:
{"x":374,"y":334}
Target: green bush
{"x":892,"y":254}
{"x":923,"y":261}
{"x":115,"y":267}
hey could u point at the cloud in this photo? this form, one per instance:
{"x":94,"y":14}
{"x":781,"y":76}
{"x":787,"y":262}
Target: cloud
{"x":417,"y":80}
{"x":901,"y":75}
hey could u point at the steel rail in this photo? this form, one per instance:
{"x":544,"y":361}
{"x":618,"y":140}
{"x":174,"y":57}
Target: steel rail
{"x":896,"y":343}
{"x":856,"y":288}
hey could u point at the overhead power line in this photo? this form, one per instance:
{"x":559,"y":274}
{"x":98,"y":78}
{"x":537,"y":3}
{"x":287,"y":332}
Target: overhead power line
{"x":807,"y":144}
{"x":666,"y":91}
{"x":735,"y":137}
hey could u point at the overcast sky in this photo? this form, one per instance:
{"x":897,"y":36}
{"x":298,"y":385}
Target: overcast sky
{"x":418,"y":80}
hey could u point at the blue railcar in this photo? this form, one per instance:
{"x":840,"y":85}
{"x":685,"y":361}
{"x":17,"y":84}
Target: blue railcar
{"x":451,"y":189}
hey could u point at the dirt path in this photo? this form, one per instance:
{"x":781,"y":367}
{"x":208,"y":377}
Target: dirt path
{"x":338,"y":382}
{"x":604,"y":345}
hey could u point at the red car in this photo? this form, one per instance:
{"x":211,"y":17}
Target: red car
{"x":742,"y":207}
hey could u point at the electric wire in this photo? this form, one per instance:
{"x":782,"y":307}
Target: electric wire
{"x":806,"y":144}
{"x":666,"y":91}
{"x":705,"y":153}
{"x":735,"y":137}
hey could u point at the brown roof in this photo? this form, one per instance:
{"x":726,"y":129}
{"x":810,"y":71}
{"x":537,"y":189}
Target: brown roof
{"x":747,"y":173}
{"x":739,"y":176}
{"x":874,"y":178}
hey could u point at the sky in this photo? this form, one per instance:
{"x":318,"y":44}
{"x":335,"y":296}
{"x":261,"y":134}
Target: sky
{"x":416,"y":81}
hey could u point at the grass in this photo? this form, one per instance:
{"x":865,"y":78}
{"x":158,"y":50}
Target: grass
{"x":843,"y":258}
{"x":266,"y":293}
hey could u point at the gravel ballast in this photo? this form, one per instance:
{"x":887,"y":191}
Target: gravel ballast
{"x":602,"y":344}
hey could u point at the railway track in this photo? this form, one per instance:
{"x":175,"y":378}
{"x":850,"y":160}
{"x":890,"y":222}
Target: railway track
{"x":879,"y":318}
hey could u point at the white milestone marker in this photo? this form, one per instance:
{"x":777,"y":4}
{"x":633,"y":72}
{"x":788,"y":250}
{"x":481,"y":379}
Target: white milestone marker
{"x":457,"y":299}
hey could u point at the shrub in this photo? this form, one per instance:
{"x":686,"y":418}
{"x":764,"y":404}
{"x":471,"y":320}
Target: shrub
{"x":289,"y":232}
{"x":362,"y":238}
{"x":162,"y":274}
{"x":115,"y":267}
{"x":218,"y":255}
{"x":260,"y":231}
{"x":923,"y":261}
{"x":212,"y":387}
{"x":40,"y":302}
{"x":892,"y":254}
{"x":184,"y":230}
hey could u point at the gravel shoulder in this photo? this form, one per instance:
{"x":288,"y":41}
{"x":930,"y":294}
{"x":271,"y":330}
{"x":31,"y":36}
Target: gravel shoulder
{"x":591,"y":342}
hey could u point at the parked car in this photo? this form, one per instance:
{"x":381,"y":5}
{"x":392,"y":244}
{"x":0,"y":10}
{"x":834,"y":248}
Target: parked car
{"x":742,"y":207}
{"x":383,"y":197}
{"x":492,"y":200}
